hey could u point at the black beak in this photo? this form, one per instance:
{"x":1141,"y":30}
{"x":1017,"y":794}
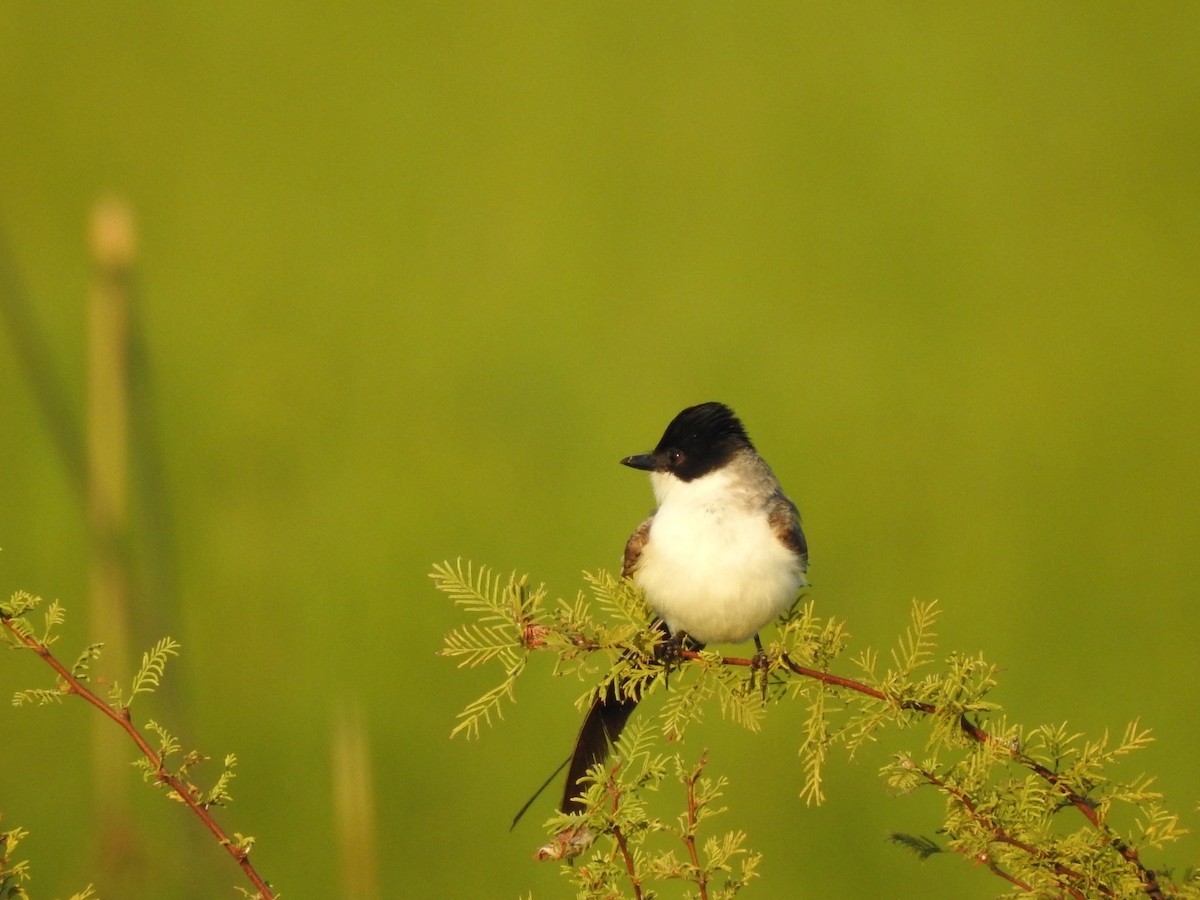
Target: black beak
{"x":644,"y":461}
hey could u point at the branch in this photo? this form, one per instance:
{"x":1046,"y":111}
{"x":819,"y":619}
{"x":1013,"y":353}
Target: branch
{"x":693,"y":821}
{"x":71,"y":684}
{"x":1148,"y":877}
{"x":997,"y":833}
{"x":614,"y":792}
{"x":1008,"y":825}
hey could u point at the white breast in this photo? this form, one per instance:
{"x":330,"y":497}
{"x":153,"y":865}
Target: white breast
{"x":712,"y":565}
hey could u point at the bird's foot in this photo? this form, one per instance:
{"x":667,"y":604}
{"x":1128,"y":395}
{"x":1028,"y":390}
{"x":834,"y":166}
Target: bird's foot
{"x":670,"y":651}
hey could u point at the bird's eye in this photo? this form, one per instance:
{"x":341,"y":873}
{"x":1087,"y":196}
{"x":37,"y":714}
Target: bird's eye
{"x":675,"y":457}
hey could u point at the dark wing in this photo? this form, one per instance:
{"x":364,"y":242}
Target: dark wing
{"x":784,"y":519}
{"x":633,"y":547}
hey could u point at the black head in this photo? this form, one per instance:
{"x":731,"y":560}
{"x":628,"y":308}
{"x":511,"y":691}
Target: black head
{"x":698,"y":440}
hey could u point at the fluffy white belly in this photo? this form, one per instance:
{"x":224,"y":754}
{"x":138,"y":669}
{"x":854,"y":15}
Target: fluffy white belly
{"x":716,"y":570}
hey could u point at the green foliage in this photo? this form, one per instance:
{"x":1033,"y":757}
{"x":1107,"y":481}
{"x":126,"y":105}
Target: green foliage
{"x":503,"y":611}
{"x":636,"y":847}
{"x":16,"y":609}
{"x":13,"y":874}
{"x":218,"y":794}
{"x":165,"y":765}
{"x":174,"y":762}
{"x":86,"y":658}
{"x":1042,"y":808}
{"x":149,"y":674}
{"x":513,"y":620}
{"x":15,"y":612}
{"x":38,"y":696}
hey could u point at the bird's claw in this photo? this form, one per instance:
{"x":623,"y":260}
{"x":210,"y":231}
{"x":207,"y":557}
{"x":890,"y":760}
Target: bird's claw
{"x":669,"y":652}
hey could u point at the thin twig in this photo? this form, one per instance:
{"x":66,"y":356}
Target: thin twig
{"x":614,"y":792}
{"x":121,"y":716}
{"x":1149,"y":878}
{"x":689,"y":836}
{"x":1065,"y":873}
{"x":1010,"y":878}
{"x":1151,"y":886}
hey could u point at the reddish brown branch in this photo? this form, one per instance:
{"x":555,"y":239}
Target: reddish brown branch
{"x":533,"y":638}
{"x":72,"y":685}
{"x":1149,"y":878}
{"x":1011,"y":879}
{"x":614,"y":791}
{"x":1065,"y":873}
{"x":689,"y":836}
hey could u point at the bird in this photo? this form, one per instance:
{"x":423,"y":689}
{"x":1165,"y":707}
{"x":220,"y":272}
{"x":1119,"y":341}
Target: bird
{"x":722,"y":555}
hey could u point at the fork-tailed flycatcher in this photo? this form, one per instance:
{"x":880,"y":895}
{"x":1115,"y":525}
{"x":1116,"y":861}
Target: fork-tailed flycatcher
{"x":720,"y":557}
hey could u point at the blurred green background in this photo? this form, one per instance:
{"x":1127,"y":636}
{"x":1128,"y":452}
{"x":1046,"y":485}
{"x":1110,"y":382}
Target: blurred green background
{"x":413,"y":277}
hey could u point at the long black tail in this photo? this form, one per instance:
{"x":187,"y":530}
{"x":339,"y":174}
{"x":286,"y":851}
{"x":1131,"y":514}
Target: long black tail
{"x":605,"y":720}
{"x":599,"y":731}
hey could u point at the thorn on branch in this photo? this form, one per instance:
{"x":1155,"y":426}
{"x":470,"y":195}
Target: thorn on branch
{"x":533,"y":635}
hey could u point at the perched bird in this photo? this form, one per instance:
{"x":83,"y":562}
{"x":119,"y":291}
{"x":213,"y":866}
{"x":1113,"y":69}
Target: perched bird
{"x":721,"y":556}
